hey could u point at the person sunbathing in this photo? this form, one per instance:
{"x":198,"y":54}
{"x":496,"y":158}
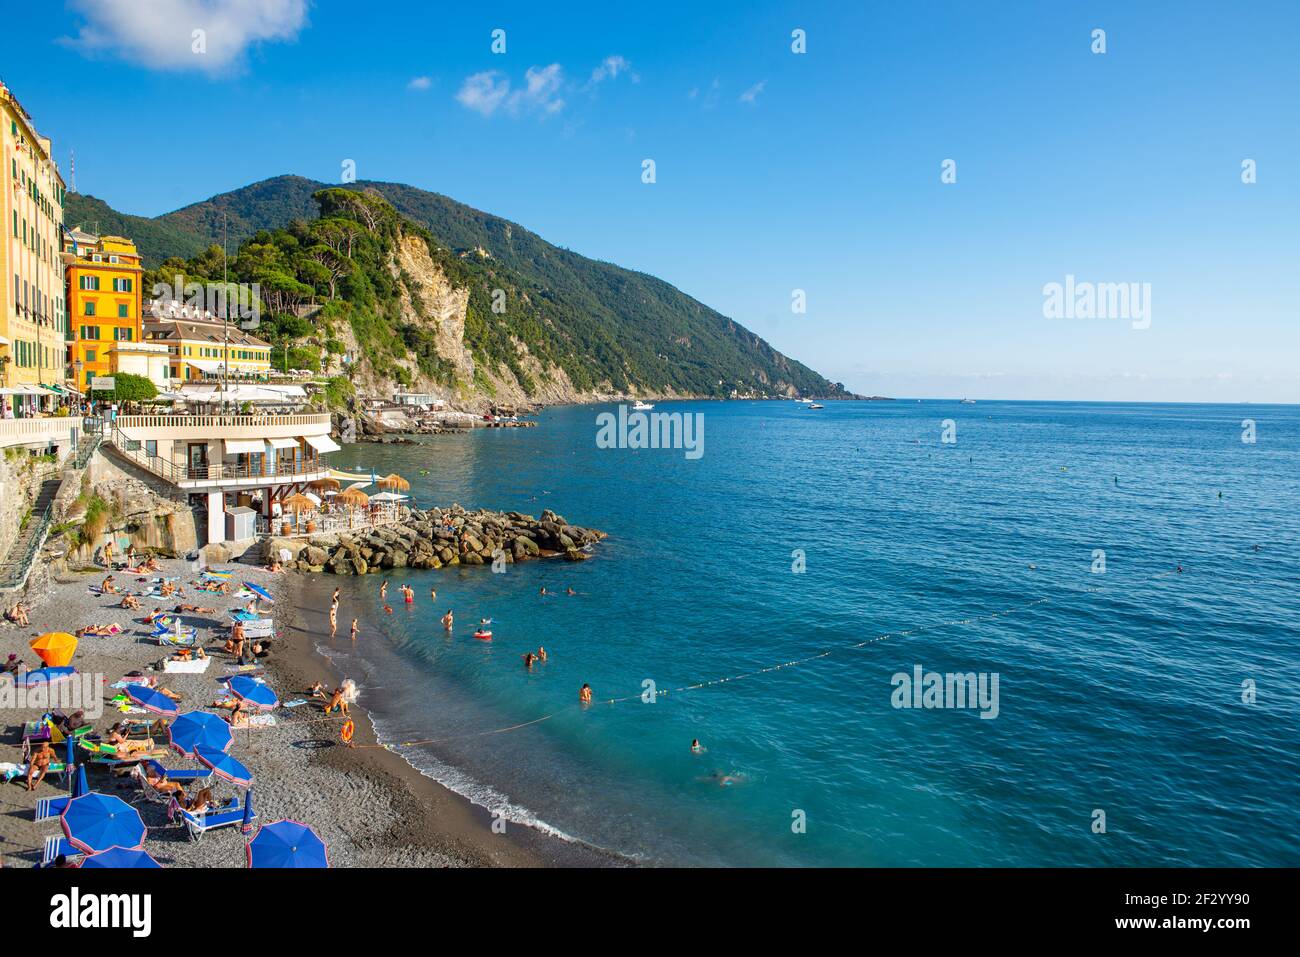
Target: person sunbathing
{"x":107,"y":586}
{"x":200,"y":802}
{"x":39,"y":765}
{"x":274,"y":567}
{"x":167,"y":589}
{"x":129,"y":601}
{"x":12,"y":666}
{"x":194,"y":610}
{"x":123,"y":745}
{"x":158,"y":781}
{"x":98,"y":631}
{"x":156,"y":613}
{"x":17,"y":615}
{"x":316,"y":691}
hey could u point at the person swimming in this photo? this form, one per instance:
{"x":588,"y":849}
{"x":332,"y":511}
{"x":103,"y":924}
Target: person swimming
{"x":584,"y":693}
{"x":696,"y":747}
{"x":529,"y":658}
{"x":570,"y":591}
{"x":383,"y":590}
{"x":541,"y":653}
{"x":448,"y":620}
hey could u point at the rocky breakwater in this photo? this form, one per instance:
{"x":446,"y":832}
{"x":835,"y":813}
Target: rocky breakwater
{"x":437,"y":538}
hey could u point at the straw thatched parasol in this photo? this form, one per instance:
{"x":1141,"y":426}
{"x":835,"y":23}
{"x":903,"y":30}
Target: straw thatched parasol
{"x":353,"y":498}
{"x":325,"y":485}
{"x":299,"y":503}
{"x":395,"y":482}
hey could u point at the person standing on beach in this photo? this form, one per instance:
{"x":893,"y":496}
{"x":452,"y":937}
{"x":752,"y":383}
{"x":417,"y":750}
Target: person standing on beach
{"x":334,"y":599}
{"x":354,"y":629}
{"x":334,"y":620}
{"x":108,"y":554}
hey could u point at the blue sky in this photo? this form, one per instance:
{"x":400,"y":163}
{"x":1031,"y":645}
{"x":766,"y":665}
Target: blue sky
{"x":775,"y":171}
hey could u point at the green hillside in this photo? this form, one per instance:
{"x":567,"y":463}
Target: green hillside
{"x":599,"y":322}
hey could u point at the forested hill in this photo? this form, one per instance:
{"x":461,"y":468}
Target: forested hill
{"x":606,"y":327}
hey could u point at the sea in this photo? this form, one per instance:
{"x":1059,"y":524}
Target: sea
{"x":1116,"y":585}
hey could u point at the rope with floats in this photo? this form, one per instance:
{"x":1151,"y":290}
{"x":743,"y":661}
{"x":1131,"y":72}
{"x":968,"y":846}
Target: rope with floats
{"x":956,"y":622}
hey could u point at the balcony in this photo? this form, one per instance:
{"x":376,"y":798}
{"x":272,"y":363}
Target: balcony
{"x":38,"y":432}
{"x":198,"y":427}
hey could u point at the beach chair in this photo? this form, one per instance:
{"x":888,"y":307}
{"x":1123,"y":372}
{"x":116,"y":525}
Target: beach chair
{"x":230,"y":814}
{"x":49,"y":809}
{"x":197,"y":778}
{"x":55,"y":845}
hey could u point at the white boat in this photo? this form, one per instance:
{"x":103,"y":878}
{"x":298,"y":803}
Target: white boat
{"x":806,"y":401}
{"x":641,"y":406}
{"x":816,"y":406}
{"x":967,"y":401}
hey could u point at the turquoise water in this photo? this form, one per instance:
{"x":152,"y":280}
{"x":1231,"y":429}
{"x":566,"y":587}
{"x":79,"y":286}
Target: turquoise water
{"x":1122,"y":692}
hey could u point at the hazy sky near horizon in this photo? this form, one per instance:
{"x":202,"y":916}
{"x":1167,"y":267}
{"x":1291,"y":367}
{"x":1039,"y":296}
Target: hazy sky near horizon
{"x":775,"y":171}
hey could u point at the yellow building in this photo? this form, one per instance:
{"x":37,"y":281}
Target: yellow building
{"x":104,"y":302}
{"x":201,"y":348}
{"x":33,"y":318}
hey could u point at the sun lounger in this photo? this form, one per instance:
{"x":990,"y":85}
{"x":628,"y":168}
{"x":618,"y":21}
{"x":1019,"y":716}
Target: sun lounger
{"x":195,"y":666}
{"x":227,"y":815}
{"x":48,"y":809}
{"x":197,"y":778}
{"x":54,"y":846}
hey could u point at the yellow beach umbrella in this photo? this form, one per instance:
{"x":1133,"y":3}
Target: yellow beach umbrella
{"x":55,"y":648}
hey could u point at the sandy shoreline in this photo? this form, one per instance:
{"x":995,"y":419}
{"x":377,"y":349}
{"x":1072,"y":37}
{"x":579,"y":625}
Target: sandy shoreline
{"x":369,"y":805}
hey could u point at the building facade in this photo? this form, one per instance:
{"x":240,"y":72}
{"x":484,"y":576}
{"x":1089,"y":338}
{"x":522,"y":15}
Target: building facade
{"x":202,"y":347}
{"x":33,"y":313}
{"x":104,"y":275}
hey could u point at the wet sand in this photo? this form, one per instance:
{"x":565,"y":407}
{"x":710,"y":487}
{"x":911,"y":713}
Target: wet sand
{"x":370,"y":806}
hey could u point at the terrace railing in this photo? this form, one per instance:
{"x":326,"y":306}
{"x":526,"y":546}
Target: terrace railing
{"x":214,"y":472}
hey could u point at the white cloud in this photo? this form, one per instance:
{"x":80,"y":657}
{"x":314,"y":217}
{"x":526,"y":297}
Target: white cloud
{"x":751,"y":95}
{"x":483,"y":92}
{"x":419,"y":83}
{"x":491,"y":90}
{"x":610,"y":68}
{"x":160,"y":34}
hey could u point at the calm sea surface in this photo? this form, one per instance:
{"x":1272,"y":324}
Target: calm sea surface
{"x":1121,"y":693}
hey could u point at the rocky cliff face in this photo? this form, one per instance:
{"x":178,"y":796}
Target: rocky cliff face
{"x":429,"y":298}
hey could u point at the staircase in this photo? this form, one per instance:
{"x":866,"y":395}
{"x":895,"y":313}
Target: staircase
{"x":18,"y":563}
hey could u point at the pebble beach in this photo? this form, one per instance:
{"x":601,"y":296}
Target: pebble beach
{"x":370,"y":807}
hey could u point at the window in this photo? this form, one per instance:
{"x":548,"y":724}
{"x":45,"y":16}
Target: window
{"x":90,"y":307}
{"x":121,"y":285}
{"x":123,"y":311}
{"x":89,"y":332}
{"x":122,"y":334}
{"x":89,"y":282}
{"x":151,"y":447}
{"x":90,"y":355}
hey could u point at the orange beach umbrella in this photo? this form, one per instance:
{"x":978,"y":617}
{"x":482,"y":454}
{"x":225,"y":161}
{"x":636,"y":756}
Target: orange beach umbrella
{"x":55,"y":648}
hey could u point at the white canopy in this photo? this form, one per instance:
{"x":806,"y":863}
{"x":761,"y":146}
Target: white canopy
{"x":282,"y":443}
{"x":322,"y":443}
{"x":244,"y":446}
{"x":388,"y":497}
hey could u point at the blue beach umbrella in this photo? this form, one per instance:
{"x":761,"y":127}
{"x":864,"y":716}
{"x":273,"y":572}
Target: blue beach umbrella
{"x":151,"y":699}
{"x":121,"y":858}
{"x":199,"y":729}
{"x":96,"y":822}
{"x":246,"y":824}
{"x":48,"y":675}
{"x":259,"y":591}
{"x":79,"y":786}
{"x":225,"y":767}
{"x":287,"y":844}
{"x":252,"y":691}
